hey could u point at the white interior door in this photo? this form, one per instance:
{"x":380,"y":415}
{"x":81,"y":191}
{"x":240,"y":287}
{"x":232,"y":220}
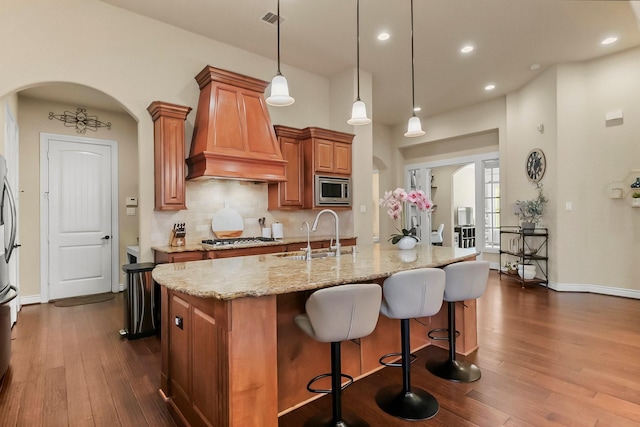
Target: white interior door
{"x":11,"y":144}
{"x":79,"y":193}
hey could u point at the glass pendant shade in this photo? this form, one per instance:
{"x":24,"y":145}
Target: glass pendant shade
{"x":280,"y":92}
{"x":359,"y":114}
{"x":414,"y":128}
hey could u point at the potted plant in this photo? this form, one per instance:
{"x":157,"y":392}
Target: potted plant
{"x":531,"y":211}
{"x":511,"y":267}
{"x":636,"y":199}
{"x":396,"y":201}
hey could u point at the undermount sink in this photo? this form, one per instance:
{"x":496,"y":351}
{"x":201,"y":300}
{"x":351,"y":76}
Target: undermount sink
{"x":318,"y":253}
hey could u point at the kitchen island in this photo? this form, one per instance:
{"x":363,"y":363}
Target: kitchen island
{"x":231,"y":353}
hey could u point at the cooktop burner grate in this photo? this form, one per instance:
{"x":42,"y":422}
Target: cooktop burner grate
{"x":237,"y":240}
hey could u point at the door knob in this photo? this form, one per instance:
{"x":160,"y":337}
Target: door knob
{"x":106,"y":237}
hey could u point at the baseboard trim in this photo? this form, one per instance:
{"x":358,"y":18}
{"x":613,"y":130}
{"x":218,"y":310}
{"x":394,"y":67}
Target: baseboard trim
{"x":31,"y":299}
{"x":595,"y":289}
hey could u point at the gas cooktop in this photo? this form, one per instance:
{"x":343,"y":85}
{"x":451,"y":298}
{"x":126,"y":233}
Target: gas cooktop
{"x":213,"y":243}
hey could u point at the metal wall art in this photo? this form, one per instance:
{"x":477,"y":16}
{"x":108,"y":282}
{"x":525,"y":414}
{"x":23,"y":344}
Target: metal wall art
{"x":80,"y":120}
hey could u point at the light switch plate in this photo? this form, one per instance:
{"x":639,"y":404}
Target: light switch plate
{"x":131,"y":211}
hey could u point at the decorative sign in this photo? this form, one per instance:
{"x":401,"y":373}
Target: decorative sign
{"x":80,"y":120}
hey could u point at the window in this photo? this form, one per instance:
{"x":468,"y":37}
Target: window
{"x":491,"y":204}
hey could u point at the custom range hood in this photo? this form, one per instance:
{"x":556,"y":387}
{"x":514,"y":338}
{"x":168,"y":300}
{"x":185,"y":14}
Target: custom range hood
{"x":233,"y":137}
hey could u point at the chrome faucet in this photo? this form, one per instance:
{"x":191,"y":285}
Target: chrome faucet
{"x":335,"y":215}
{"x":307,"y":250}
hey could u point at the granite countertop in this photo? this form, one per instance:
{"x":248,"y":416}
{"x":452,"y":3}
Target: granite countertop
{"x":259,"y":275}
{"x":285,"y":241}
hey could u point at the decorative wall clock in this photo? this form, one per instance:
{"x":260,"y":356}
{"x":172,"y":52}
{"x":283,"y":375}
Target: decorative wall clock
{"x":536,"y":165}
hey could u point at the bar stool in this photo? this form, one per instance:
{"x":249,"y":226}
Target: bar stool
{"x":336,"y":314}
{"x":465,"y":280}
{"x":410,"y":294}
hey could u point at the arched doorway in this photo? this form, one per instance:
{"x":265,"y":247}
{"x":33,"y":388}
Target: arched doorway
{"x":34,"y":105}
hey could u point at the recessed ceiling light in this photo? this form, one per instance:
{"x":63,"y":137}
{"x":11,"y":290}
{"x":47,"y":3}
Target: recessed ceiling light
{"x":534,"y":67}
{"x":416,"y":109}
{"x":609,"y":40}
{"x":466,"y":49}
{"x":490,"y":86}
{"x":383,"y":36}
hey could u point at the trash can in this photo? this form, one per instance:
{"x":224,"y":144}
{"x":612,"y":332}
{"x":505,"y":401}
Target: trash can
{"x":141,"y":302}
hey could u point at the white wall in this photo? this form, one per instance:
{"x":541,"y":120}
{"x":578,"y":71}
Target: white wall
{"x":137,"y":60}
{"x":599,"y":240}
{"x":10,"y":101}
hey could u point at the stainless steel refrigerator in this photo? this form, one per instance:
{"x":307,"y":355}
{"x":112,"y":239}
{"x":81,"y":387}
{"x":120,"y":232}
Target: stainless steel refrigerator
{"x":8,"y":228}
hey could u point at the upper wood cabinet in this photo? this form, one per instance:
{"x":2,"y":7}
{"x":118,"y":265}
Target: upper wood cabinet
{"x":331,"y":150}
{"x":310,"y":151}
{"x":169,"y":164}
{"x":289,"y":194}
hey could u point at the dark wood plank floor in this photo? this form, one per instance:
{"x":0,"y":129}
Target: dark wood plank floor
{"x":547,"y":358}
{"x":69,"y":367}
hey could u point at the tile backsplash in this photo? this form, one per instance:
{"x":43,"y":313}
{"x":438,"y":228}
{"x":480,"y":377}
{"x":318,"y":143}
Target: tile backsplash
{"x":206,"y":197}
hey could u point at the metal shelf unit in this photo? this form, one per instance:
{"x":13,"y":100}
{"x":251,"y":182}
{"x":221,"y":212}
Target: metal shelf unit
{"x":533,"y":248}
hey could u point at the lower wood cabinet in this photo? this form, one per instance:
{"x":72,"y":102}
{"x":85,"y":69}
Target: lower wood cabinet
{"x":219,"y":360}
{"x":163,"y":257}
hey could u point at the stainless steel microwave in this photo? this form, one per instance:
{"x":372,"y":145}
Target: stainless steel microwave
{"x":330,"y":190}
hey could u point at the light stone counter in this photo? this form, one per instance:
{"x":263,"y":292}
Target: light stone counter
{"x":260,"y":275}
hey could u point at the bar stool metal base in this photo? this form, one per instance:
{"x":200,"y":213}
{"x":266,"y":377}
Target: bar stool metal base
{"x":413,"y":405}
{"x":454,"y":370}
{"x":328,"y":421}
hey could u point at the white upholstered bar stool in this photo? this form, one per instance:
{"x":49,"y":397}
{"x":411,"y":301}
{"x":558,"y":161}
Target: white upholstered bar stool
{"x":465,"y":280}
{"x":336,"y":314}
{"x":407,"y":295}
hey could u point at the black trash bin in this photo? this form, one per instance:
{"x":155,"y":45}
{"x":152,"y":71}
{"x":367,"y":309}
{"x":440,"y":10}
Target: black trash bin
{"x":141,"y":302}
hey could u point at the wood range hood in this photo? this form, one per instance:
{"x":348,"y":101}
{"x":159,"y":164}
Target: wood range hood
{"x":233,"y":137}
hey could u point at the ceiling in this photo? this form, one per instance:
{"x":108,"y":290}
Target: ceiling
{"x":320,"y":36}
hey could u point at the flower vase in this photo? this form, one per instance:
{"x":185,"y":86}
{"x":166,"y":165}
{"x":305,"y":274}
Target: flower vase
{"x":528,"y":227}
{"x":407,"y":242}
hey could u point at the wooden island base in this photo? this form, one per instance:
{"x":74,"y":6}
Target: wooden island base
{"x":243,"y":362}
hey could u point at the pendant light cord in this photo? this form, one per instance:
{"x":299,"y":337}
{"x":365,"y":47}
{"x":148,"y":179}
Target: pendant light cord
{"x":358,"y":45}
{"x":279,"y":37}
{"x":413,"y":88}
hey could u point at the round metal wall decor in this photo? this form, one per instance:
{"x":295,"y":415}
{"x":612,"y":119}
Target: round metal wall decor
{"x":536,"y":165}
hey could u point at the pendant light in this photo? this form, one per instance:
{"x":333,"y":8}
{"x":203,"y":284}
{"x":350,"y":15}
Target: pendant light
{"x":279,"y":87}
{"x":414,"y":127}
{"x":359,"y":110}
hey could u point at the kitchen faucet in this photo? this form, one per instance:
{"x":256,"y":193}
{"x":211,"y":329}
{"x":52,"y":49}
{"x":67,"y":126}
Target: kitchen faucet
{"x":335,"y":215}
{"x":307,"y":250}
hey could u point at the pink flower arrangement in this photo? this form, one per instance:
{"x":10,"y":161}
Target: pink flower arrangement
{"x":395,"y":202}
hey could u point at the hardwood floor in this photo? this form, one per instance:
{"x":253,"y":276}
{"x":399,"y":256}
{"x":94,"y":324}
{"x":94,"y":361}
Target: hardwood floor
{"x":547,"y":358}
{"x":69,"y":367}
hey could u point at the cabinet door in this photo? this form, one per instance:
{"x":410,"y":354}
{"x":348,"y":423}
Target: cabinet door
{"x":342,"y":158}
{"x":291,"y":190}
{"x":205,"y":359}
{"x":323,"y":155}
{"x":288,"y":194}
{"x":169,"y":164}
{"x":179,"y":348}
